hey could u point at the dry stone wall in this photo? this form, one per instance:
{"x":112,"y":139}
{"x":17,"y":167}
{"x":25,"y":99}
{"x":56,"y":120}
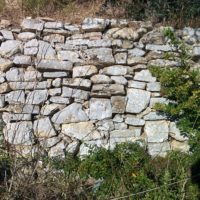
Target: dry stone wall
{"x":64,"y":87}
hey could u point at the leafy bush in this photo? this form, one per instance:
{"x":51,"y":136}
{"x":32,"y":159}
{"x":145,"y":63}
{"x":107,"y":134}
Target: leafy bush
{"x":163,"y":10}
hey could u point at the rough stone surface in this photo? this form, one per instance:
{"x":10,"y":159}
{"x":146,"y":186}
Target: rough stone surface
{"x":100,"y":109}
{"x":156,"y":131}
{"x":66,"y":86}
{"x":138,"y":100}
{"x":71,"y":114}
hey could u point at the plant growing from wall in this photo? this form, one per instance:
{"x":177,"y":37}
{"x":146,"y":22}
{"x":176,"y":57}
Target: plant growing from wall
{"x":182,"y":86}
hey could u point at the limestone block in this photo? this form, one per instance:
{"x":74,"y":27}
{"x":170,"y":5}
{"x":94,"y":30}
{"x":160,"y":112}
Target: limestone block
{"x":138,"y":100}
{"x":156,"y":131}
{"x":71,"y":114}
{"x":19,"y":133}
{"x":100,"y":109}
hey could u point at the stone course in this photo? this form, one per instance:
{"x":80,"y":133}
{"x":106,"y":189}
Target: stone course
{"x":66,"y":86}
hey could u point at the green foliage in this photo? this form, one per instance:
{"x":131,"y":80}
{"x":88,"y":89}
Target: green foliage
{"x":182,"y":86}
{"x":163,"y":10}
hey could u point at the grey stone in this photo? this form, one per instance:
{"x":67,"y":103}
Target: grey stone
{"x":71,"y":114}
{"x":164,"y":63}
{"x":72,"y":28}
{"x":23,"y":109}
{"x":84,"y":71}
{"x":54,"y":65}
{"x":55,"y":74}
{"x":154,"y":47}
{"x":81,"y":131}
{"x":50,"y":109}
{"x":136,"y":52}
{"x":158,"y":149}
{"x":75,"y":93}
{"x":175,"y":133}
{"x":32,"y":25}
{"x":127,"y":34}
{"x":73,"y":147}
{"x":121,"y":58}
{"x":133,"y":60}
{"x":100,"y":109}
{"x":118,"y":104}
{"x":153,"y":116}
{"x":31,"y":43}
{"x":56,"y":82}
{"x":10,"y":47}
{"x":153,"y":87}
{"x":121,"y":126}
{"x":19,"y":133}
{"x":101,"y":79}
{"x":116,"y":70}
{"x":118,"y":118}
{"x":77,"y":83}
{"x":15,"y":74}
{"x":48,"y":31}
{"x":54,"y":25}
{"x":2,"y":77}
{"x":46,"y":51}
{"x":2,"y":101}
{"x":43,"y":128}
{"x":22,"y":60}
{"x":180,"y":146}
{"x":25,"y":36}
{"x":32,"y":51}
{"x":104,"y":90}
{"x":15,"y":97}
{"x":94,"y":24}
{"x":196,"y":51}
{"x":127,"y":134}
{"x":119,"y":80}
{"x":54,"y":91}
{"x":101,"y":56}
{"x":37,"y":97}
{"x":70,"y":56}
{"x":58,"y":150}
{"x":60,"y":100}
{"x":8,"y":117}
{"x":132,"y":120}
{"x":105,"y":125}
{"x":49,"y":142}
{"x":156,"y":131}
{"x":54,"y":38}
{"x":138,"y":100}
{"x":7,"y":34}
{"x":136,"y":84}
{"x":5,"y":64}
{"x":32,"y":75}
{"x":144,"y":75}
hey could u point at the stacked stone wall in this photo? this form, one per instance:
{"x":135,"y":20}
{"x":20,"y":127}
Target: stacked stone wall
{"x":64,"y":87}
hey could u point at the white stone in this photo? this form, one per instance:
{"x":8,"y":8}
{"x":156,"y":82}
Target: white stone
{"x":19,"y":133}
{"x":156,"y":131}
{"x":154,"y":47}
{"x":25,"y":36}
{"x":10,"y":47}
{"x":7,"y":34}
{"x":15,"y":97}
{"x":138,"y":100}
{"x":37,"y":97}
{"x":136,"y":52}
{"x":46,"y":51}
{"x":43,"y":128}
{"x":22,"y":60}
{"x":136,"y":84}
{"x":116,"y":70}
{"x":132,"y":120}
{"x":75,"y":93}
{"x":54,"y":25}
{"x":144,"y":75}
{"x":101,"y":79}
{"x":119,"y":80}
{"x":50,"y":109}
{"x":154,"y":87}
{"x":81,"y":131}
{"x":71,"y":114}
{"x":154,"y":116}
{"x":100,"y":109}
{"x":121,"y":58}
{"x":175,"y":133}
{"x":32,"y":25}
{"x":84,"y":71}
{"x":158,"y":149}
{"x":60,"y":100}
